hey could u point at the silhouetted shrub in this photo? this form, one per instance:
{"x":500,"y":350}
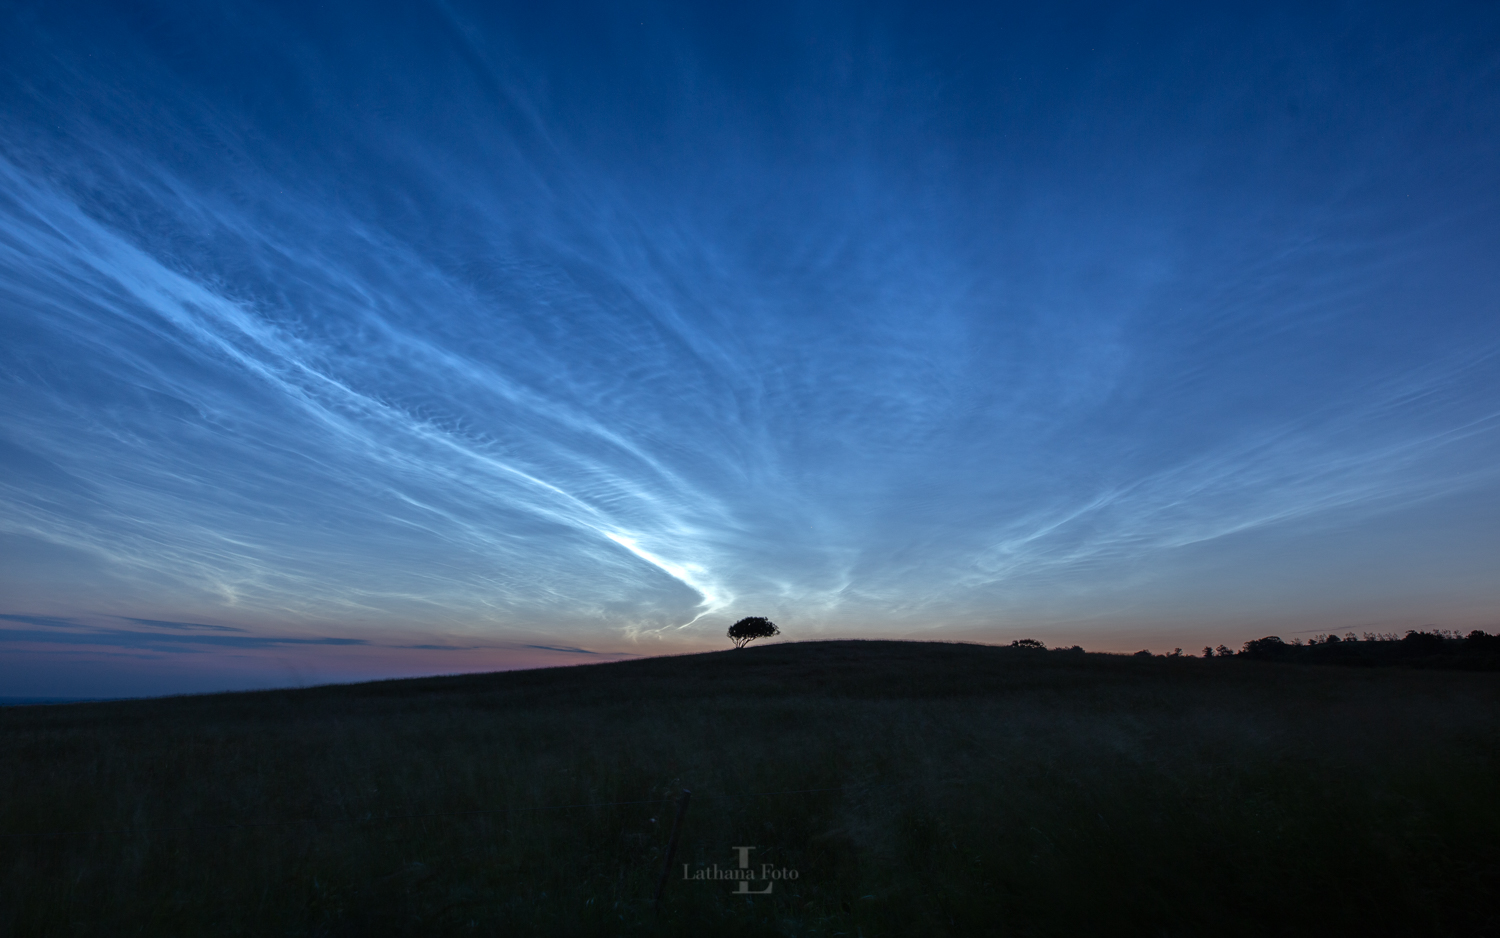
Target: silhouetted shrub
{"x":750,"y":628}
{"x":1143,"y":653}
{"x":1028,"y":643}
{"x":1269,"y":647}
{"x":1420,"y":644}
{"x":1478,"y":641}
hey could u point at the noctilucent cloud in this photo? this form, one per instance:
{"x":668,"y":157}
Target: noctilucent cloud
{"x":351,"y":339}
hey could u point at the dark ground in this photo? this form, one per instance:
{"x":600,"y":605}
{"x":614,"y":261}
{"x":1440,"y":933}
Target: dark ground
{"x":977,"y":790}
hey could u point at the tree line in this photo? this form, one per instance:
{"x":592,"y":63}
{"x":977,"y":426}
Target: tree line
{"x":1433,"y":648}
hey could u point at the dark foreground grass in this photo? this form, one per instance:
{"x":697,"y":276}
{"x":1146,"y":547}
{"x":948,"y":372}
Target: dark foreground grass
{"x":979,"y":791}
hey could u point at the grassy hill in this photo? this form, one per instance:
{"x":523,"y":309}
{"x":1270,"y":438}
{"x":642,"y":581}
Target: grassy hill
{"x":915,"y":788}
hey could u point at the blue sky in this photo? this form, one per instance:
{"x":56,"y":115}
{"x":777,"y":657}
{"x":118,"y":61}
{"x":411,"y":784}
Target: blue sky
{"x":383,"y":339}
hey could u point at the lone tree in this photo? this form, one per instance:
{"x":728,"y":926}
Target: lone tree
{"x":749,"y":629}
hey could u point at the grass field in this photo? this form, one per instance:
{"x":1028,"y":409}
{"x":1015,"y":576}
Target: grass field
{"x":976,"y":791}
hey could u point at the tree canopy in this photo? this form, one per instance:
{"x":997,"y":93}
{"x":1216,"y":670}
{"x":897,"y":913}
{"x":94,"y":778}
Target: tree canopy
{"x":750,"y":628}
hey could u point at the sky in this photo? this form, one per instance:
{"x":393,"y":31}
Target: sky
{"x":363,"y":339}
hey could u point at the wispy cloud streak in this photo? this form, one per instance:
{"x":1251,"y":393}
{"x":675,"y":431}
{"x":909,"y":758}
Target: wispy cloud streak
{"x":608,"y":339}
